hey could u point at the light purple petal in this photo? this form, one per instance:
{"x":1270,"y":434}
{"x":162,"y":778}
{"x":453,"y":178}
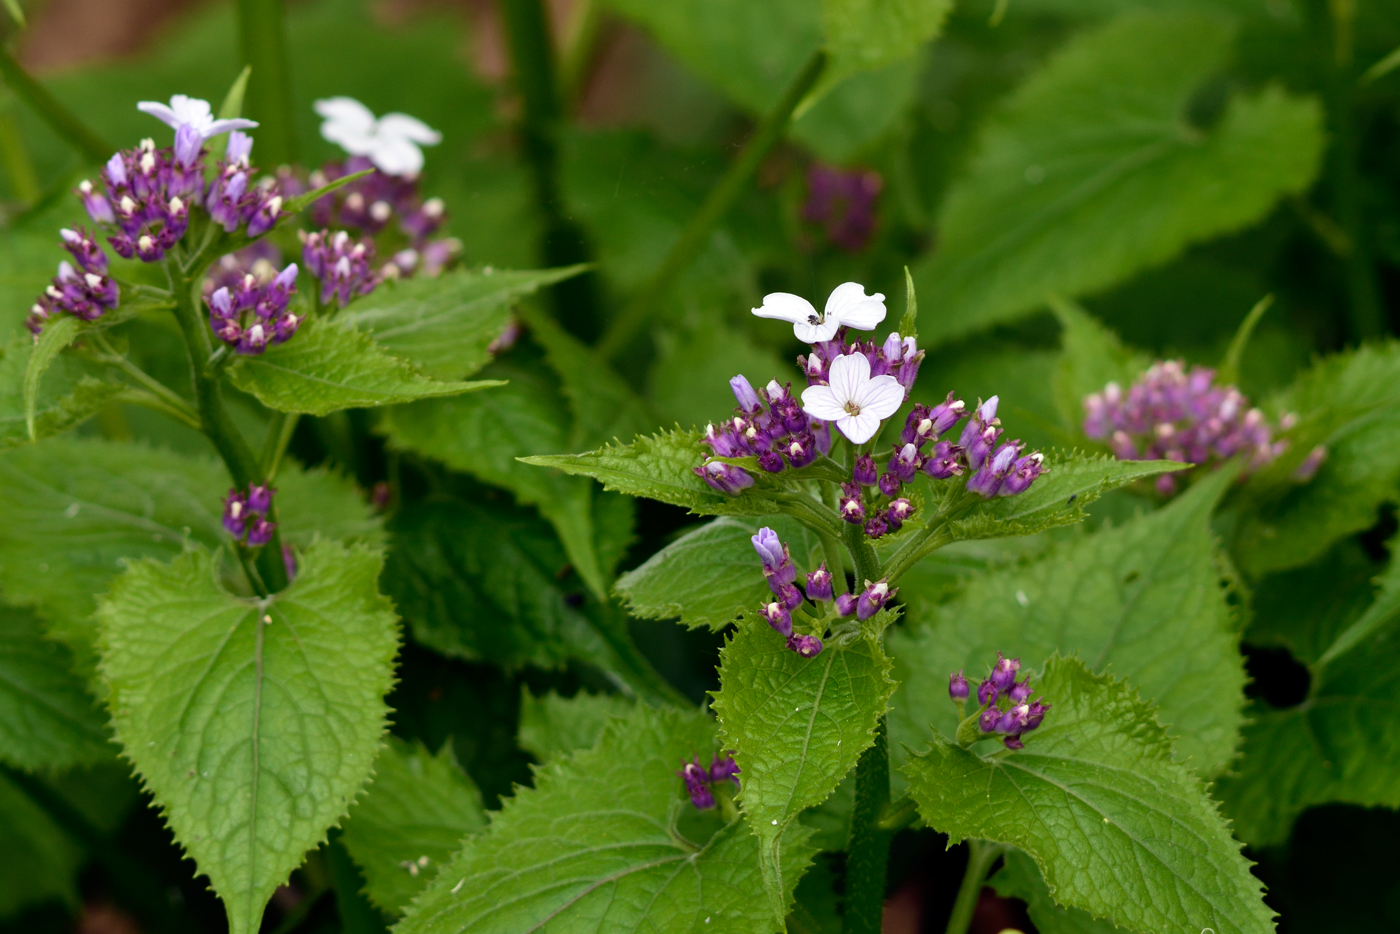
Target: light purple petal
{"x":224,"y":126}
{"x":161,"y":112}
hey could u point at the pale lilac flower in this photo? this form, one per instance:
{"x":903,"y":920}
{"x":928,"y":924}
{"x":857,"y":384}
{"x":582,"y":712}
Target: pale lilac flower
{"x":194,"y":113}
{"x":391,"y":142}
{"x":853,"y":399}
{"x":847,"y":306}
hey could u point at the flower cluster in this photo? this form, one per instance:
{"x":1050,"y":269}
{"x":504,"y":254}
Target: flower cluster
{"x":253,"y":314}
{"x":700,"y":782}
{"x":781,"y":575}
{"x":1005,"y":705}
{"x":245,"y":516}
{"x":235,"y":199}
{"x":86,"y":292}
{"x":768,"y":424}
{"x":844,"y":203}
{"x":343,"y":265}
{"x":147,"y":193}
{"x":1175,"y":414}
{"x":369,"y":206}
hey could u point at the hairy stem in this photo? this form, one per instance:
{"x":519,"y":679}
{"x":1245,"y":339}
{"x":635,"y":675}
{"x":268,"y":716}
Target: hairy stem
{"x":867,"y":564}
{"x":264,"y":45}
{"x":980,"y":856}
{"x":869,"y":854}
{"x":635,"y":315}
{"x":58,"y":117}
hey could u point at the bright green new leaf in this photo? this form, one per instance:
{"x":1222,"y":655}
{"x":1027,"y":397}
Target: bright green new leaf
{"x":1092,"y":356}
{"x":72,"y":510}
{"x":254,"y":723}
{"x":711,"y":574}
{"x":867,"y":34}
{"x":480,"y":581}
{"x":1350,"y":404}
{"x":796,"y":726}
{"x":411,"y":820}
{"x":658,"y":467}
{"x":41,"y":861}
{"x":329,"y":367}
{"x":1116,"y":826}
{"x":1107,"y":162}
{"x":48,"y":720}
{"x":445,"y":325}
{"x":554,"y":726}
{"x":488,"y":435}
{"x":1019,"y":878}
{"x":608,"y":841}
{"x":1144,"y":601}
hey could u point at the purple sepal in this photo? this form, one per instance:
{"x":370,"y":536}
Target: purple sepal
{"x":801,"y":450}
{"x":771,"y":461}
{"x":846,"y":604}
{"x":724,"y":767}
{"x":819,"y":584}
{"x":260,"y":497}
{"x":889,"y":482}
{"x":1013,"y":742}
{"x":235,"y":513}
{"x":724,"y":477}
{"x":864,"y":472}
{"x":697,"y":784}
{"x":1020,"y":690}
{"x":986,"y":693}
{"x":873,"y":598}
{"x":957,"y":686}
{"x":778,"y":617}
{"x":806,"y":646}
{"x":1004,"y":672}
{"x":876,"y":526}
{"x":788,"y":595}
{"x":899,"y":512}
{"x":851,"y":507}
{"x":260,"y":532}
{"x":944,"y":462}
{"x":987,"y":722}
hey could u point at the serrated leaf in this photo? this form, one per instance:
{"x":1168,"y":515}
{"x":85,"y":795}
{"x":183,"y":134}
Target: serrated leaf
{"x":328,"y":367}
{"x":608,"y":841}
{"x":796,"y":726}
{"x":58,"y":334}
{"x":487,"y":436}
{"x":658,"y":467}
{"x":411,"y":821}
{"x":711,"y":574}
{"x":1091,"y":357}
{"x":253,"y":722}
{"x":444,"y":325}
{"x":555,"y":726}
{"x":48,"y":720}
{"x":1117,"y":828}
{"x":72,"y":510}
{"x":1019,"y":878}
{"x":480,"y":581}
{"x":1094,"y":171}
{"x":1350,"y":404}
{"x":1143,"y":601}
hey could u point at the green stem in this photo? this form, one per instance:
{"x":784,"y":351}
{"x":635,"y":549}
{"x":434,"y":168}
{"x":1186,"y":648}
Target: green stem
{"x":279,"y":435}
{"x":108,"y":354}
{"x":24,"y":183}
{"x":831,"y":550}
{"x":215,"y":421}
{"x":899,"y":814}
{"x":867,"y":564}
{"x":60,"y":118}
{"x":638,"y":311}
{"x":980,"y":856}
{"x":869,"y":854}
{"x":269,"y":98}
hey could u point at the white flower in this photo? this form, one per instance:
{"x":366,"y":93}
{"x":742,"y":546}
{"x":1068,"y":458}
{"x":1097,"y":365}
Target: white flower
{"x":194,"y":113}
{"x":848,"y":306}
{"x":391,"y":142}
{"x":854,"y":401}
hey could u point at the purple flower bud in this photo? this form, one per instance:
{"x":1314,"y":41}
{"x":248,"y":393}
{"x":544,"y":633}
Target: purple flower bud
{"x":1023,"y":473}
{"x":906,"y":462}
{"x":987,"y":481}
{"x":697,"y":784}
{"x":1004,"y":672}
{"x":1035,"y":715}
{"x":957,"y":686}
{"x":235,"y":513}
{"x":724,"y":767}
{"x":116,"y":170}
{"x":1020,"y":690}
{"x":980,"y":433}
{"x":96,"y":204}
{"x":1014,"y":720}
{"x":944,"y":461}
{"x":876,"y":526}
{"x":260,"y":532}
{"x":254,"y":339}
{"x":1308,"y":468}
{"x":908,"y":370}
{"x":851,"y":507}
{"x":748,"y":399}
{"x":819,"y":584}
{"x":260,"y":498}
{"x":189,"y":145}
{"x":987,"y":722}
{"x":986,"y":693}
{"x":724,"y":477}
{"x":801,"y":450}
{"x":289,"y":561}
{"x":946,"y":414}
{"x":788,"y":595}
{"x":846,"y":604}
{"x":771,"y":550}
{"x":221,"y":304}
{"x":85,"y":251}
{"x":771,"y":461}
{"x":265,"y":215}
{"x":873,"y":598}
{"x":1013,"y":743}
{"x":864,"y":472}
{"x":806,"y":646}
{"x":778,"y":617}
{"x":889,"y":482}
{"x":900,"y":510}
{"x":893,"y":348}
{"x":239,"y":148}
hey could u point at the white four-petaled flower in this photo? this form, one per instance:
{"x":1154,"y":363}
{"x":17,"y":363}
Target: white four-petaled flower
{"x":848,"y":306}
{"x":391,"y":142}
{"x":853,"y":400}
{"x":194,"y":113}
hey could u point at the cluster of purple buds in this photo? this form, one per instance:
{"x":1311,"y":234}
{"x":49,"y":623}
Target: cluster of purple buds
{"x":1174,"y":414}
{"x":996,"y":470}
{"x":253,"y":314}
{"x":768,"y":424}
{"x":1005,"y":704}
{"x":844,"y":203}
{"x":147,"y":193}
{"x":245,"y":516}
{"x":343,"y":265}
{"x":234,"y":198}
{"x":897,"y":356}
{"x":260,"y":258}
{"x":700,"y":782}
{"x":86,"y":292}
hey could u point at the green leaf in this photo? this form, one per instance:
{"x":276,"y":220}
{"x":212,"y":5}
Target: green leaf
{"x":444,"y":326}
{"x":72,"y":510}
{"x":1092,"y":356}
{"x":1094,"y":170}
{"x":555,"y":726}
{"x":711,"y":574}
{"x":232,"y":107}
{"x":480,"y":581}
{"x":1307,"y":609}
{"x":608,"y":841}
{"x":48,"y":720}
{"x":486,"y":435}
{"x":57,"y":334}
{"x":1117,"y":827}
{"x":1143,"y":601}
{"x":1350,"y":404}
{"x":411,"y":820}
{"x":328,"y":367}
{"x":1019,"y":878}
{"x":41,"y":861}
{"x":301,"y":202}
{"x":796,"y":726}
{"x":866,"y":34}
{"x":67,"y":396}
{"x":658,"y":467}
{"x":252,"y":722}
